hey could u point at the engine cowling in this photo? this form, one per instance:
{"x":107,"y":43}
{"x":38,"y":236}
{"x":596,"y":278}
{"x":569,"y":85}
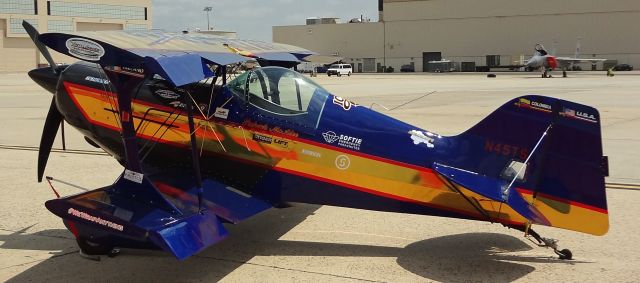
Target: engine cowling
{"x":552,"y":62}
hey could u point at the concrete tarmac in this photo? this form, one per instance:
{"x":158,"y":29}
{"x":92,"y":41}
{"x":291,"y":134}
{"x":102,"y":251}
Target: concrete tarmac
{"x":325,"y":244}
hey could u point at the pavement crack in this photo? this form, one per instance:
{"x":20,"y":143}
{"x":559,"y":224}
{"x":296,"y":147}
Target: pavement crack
{"x":284,"y":268}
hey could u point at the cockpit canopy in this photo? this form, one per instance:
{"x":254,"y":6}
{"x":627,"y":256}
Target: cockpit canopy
{"x":540,"y":49}
{"x":278,"y":90}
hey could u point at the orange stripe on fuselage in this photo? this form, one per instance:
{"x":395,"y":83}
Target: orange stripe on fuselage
{"x":368,"y":173}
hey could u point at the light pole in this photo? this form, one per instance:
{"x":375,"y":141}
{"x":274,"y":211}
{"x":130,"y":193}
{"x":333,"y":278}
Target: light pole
{"x":208,"y":9}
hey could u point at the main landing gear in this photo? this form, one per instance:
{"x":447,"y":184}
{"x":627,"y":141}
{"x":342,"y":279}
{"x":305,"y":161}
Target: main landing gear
{"x":93,"y":251}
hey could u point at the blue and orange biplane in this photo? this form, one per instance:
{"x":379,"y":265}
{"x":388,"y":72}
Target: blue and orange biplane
{"x":199,"y":149}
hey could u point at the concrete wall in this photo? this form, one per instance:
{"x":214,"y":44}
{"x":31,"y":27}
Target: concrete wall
{"x":80,"y":26}
{"x":17,"y":52}
{"x":351,"y":41}
{"x":468,"y":30}
{"x":474,"y":29}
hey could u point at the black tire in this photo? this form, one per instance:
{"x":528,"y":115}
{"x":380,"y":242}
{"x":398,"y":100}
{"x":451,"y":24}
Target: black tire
{"x":339,"y":75}
{"x":565,"y":254}
{"x":349,"y":74}
{"x":91,"y":248}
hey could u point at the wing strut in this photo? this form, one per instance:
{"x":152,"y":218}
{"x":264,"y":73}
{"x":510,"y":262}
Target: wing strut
{"x":195,"y":157}
{"x":474,"y":203}
{"x":133,"y":183}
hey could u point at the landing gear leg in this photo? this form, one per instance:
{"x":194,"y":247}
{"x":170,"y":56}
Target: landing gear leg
{"x":88,"y":256}
{"x":93,"y":251}
{"x":564,"y":254}
{"x":545,"y":74}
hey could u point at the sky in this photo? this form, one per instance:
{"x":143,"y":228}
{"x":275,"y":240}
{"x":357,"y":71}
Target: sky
{"x":253,"y":19}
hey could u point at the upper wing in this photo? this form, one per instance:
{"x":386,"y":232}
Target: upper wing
{"x":164,"y":52}
{"x":140,"y":42}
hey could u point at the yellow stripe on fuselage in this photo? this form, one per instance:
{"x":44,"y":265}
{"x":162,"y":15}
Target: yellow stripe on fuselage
{"x":327,"y":163}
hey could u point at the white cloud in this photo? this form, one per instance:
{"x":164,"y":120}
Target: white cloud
{"x":253,"y":19}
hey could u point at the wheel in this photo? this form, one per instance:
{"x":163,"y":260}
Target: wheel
{"x":113,"y":253}
{"x":565,"y":254}
{"x":349,"y":74}
{"x":339,"y":75}
{"x":91,"y":248}
{"x":329,"y":75}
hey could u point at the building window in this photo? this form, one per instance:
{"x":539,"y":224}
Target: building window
{"x":25,"y":7}
{"x":136,"y":27}
{"x":15,"y":25}
{"x":89,"y":10}
{"x":59,"y":26}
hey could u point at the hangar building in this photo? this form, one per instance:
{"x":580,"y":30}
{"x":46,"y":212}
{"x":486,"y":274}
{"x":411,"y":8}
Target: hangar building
{"x":17,"y":52}
{"x":475,"y":33}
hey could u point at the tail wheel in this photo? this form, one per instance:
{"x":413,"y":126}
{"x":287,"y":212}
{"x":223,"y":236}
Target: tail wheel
{"x":565,"y":254}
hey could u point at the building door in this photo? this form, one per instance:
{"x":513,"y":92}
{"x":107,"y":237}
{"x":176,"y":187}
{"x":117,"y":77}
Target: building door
{"x":369,"y":65}
{"x":493,"y":60}
{"x":430,"y":56}
{"x":359,"y":67}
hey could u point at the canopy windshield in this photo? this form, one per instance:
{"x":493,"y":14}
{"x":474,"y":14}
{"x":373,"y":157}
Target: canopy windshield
{"x":278,"y":90}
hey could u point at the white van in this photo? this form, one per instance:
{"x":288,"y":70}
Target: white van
{"x":339,"y":70}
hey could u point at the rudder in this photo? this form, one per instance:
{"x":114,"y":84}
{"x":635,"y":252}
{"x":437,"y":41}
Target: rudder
{"x":564,"y":175}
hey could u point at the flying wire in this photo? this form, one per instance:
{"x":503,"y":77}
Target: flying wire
{"x":403,"y":104}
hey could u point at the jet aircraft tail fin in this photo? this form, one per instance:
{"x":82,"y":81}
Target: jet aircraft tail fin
{"x":541,"y":156}
{"x":577,"y":54}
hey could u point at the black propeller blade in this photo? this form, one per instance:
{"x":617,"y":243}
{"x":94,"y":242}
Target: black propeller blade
{"x":33,"y":33}
{"x":51,"y":124}
{"x":54,"y":117}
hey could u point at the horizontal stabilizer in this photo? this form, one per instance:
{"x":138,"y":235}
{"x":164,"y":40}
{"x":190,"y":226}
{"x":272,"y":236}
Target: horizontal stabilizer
{"x":524,"y":208}
{"x":190,"y":235}
{"x":493,"y":189}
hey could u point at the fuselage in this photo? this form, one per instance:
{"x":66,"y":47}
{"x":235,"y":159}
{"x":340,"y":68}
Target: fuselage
{"x":548,"y":62}
{"x":335,"y":152}
{"x":339,"y":153}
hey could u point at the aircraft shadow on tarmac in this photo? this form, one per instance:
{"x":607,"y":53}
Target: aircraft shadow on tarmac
{"x":455,"y":258}
{"x":58,"y":241}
